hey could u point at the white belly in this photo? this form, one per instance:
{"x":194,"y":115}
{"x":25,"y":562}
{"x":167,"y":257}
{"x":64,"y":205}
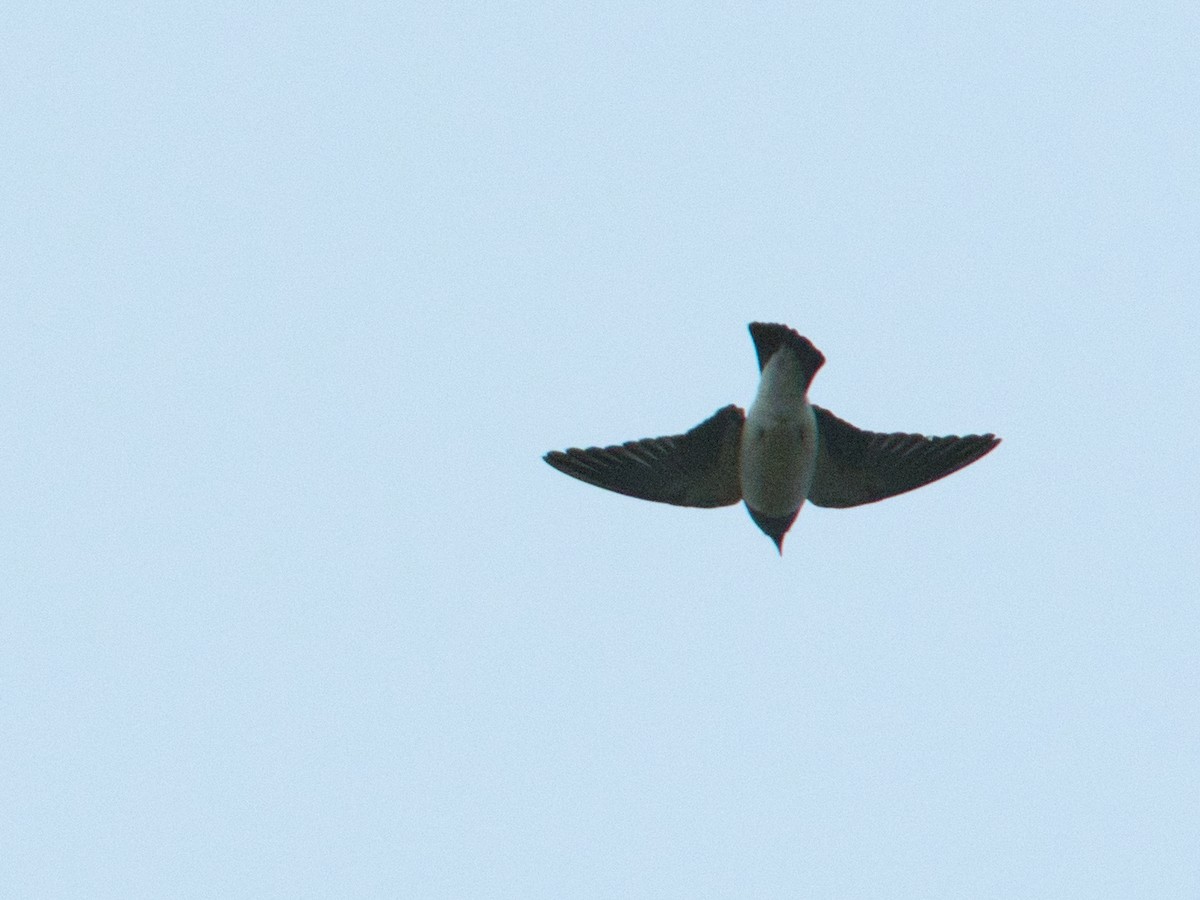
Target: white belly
{"x":779,"y":440}
{"x":777,"y":461}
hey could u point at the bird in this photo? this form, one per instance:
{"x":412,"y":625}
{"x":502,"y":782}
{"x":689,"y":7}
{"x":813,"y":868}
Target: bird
{"x":782,"y":452}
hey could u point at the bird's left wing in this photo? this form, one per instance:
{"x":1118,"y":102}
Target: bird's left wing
{"x":699,"y":468}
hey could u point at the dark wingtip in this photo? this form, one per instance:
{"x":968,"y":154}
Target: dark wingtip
{"x":985,"y":444}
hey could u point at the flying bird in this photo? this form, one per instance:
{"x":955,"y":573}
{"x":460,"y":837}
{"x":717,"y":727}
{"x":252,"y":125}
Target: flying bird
{"x":781,"y":453}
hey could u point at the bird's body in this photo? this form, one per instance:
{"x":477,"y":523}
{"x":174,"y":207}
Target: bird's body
{"x":779,"y":444}
{"x":780,"y":453}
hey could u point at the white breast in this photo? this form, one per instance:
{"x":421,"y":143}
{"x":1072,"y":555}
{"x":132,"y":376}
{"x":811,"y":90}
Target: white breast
{"x":779,"y":440}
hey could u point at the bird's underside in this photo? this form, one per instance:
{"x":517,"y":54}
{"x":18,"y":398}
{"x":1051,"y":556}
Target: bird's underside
{"x":854,"y":467}
{"x":704,"y":467}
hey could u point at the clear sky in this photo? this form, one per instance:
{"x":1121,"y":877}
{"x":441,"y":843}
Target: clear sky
{"x":294,"y":297}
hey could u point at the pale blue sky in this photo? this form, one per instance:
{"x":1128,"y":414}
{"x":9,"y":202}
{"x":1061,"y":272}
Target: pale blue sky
{"x":293,"y":300}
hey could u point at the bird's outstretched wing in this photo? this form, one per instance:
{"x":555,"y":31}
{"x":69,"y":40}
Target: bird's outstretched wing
{"x":699,"y":468}
{"x":856,"y":466}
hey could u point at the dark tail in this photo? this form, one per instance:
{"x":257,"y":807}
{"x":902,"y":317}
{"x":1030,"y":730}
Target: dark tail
{"x":769,"y":338}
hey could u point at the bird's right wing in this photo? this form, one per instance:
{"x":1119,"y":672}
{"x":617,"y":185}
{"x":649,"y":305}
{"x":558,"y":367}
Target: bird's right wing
{"x":856,"y":466}
{"x":699,"y":468}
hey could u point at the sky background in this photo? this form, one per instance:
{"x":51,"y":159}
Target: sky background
{"x":294,"y":297}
